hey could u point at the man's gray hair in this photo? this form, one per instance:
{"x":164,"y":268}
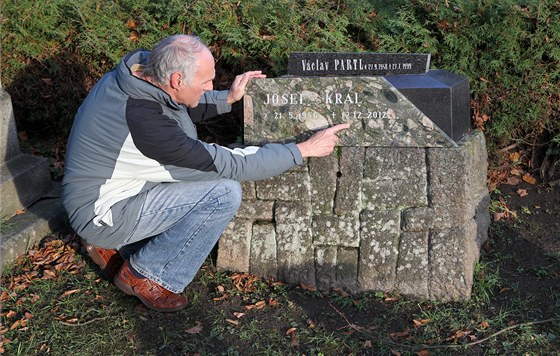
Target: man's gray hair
{"x":177,"y":53}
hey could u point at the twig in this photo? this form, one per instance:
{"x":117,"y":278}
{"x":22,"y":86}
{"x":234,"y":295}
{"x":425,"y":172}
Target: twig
{"x":85,"y":322}
{"x":445,"y":346}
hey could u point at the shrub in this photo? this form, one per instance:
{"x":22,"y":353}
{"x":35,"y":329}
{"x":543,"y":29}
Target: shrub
{"x":509,"y":49}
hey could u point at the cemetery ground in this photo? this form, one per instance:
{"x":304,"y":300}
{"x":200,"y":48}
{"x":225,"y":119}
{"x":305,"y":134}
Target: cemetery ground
{"x":55,"y":302}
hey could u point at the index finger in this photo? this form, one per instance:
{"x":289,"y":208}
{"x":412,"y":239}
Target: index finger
{"x":336,"y":128}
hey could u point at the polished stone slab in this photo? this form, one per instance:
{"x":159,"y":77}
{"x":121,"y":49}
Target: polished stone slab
{"x":443,"y":96}
{"x":292,"y":108}
{"x":356,"y":63}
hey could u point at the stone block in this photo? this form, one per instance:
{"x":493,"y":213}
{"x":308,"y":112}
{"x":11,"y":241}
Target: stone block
{"x":256,"y":210}
{"x":288,"y":186}
{"x":325,"y":265}
{"x":263,"y":261}
{"x":295,"y":243}
{"x":248,"y":190}
{"x":349,"y":196}
{"x":452,"y":260}
{"x":394,"y":178}
{"x":9,"y":143}
{"x":24,"y":230}
{"x":322,"y":180}
{"x":347,"y":268}
{"x":336,"y":231}
{"x":24,"y":179}
{"x":413,"y":267}
{"x":380,"y":231}
{"x":234,"y":249}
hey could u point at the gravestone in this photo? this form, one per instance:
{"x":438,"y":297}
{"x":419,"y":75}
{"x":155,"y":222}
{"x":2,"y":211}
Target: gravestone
{"x":24,"y":180}
{"x":356,"y":63}
{"x":402,"y":205}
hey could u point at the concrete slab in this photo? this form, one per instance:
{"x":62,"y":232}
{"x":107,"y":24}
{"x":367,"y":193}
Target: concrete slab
{"x":22,"y":231}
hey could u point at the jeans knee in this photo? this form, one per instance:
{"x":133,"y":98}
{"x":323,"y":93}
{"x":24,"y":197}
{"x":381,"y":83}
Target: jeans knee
{"x":234,"y":193}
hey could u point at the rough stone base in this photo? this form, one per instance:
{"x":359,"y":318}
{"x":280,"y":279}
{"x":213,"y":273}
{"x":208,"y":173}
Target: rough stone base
{"x":408,"y":220}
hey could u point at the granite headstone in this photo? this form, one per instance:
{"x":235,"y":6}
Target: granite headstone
{"x":356,"y":63}
{"x":281,"y":109}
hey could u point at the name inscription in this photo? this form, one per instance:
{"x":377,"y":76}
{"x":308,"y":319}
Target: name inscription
{"x":349,"y":64}
{"x":298,"y":98}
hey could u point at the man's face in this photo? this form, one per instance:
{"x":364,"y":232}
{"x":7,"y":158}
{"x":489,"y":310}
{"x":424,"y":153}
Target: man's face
{"x":189,"y":94}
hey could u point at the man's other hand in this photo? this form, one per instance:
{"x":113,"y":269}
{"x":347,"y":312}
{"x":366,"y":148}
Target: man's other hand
{"x":237,"y":89}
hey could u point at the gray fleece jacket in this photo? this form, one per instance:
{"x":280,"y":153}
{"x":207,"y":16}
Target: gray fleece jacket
{"x":129,"y":135}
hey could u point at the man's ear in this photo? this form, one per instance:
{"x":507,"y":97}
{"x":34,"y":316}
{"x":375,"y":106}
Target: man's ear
{"x":176,"y":80}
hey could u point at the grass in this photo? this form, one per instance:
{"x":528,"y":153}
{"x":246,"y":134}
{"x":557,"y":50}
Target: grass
{"x":71,"y":310}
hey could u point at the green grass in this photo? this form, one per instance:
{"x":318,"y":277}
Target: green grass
{"x":77,"y":312}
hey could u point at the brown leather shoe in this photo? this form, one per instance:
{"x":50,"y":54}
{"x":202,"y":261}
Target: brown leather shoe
{"x":108,"y":260}
{"x":150,"y":293}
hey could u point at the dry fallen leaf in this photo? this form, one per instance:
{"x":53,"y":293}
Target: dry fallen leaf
{"x":484,"y":325}
{"x":421,"y":322}
{"x":258,"y":305}
{"x":522,"y":192}
{"x":195,"y":329}
{"x":233,"y":322}
{"x":69,"y":292}
{"x":239,"y":315}
{"x":529,"y":178}
{"x":512,"y":181}
{"x":401,"y":334}
{"x":341,"y":292}
{"x":514,"y":156}
{"x":515,"y":172}
{"x":308,"y":287}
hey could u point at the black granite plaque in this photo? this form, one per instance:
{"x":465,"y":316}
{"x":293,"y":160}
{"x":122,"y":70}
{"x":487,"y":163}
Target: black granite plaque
{"x":440,"y":95}
{"x":356,"y":63}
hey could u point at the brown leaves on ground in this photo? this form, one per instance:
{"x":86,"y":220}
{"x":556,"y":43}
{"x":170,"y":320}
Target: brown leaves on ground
{"x":512,"y":168}
{"x":43,"y":262}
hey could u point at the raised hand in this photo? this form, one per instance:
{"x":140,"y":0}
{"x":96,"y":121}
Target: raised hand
{"x":237,"y":89}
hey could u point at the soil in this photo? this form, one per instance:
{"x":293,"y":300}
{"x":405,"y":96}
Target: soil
{"x":524,"y":249}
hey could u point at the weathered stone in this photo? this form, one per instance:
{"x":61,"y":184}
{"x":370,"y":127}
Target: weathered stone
{"x":347,"y":267}
{"x":284,"y":109}
{"x":24,"y":178}
{"x":9,"y":143}
{"x":396,"y":178}
{"x":357,"y":63}
{"x":263,"y":251}
{"x":325,"y":265}
{"x":288,"y":186}
{"x":322,"y":179}
{"x":234,"y":249}
{"x":336,"y":231}
{"x":295,"y":243}
{"x":248,"y":190}
{"x":398,"y":207}
{"x":452,"y":260}
{"x":256,"y":210}
{"x":412,"y":266}
{"x":349,"y":195}
{"x":380,"y":231}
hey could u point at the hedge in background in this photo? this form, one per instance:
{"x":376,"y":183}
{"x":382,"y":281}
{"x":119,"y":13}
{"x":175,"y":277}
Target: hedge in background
{"x":53,"y":51}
